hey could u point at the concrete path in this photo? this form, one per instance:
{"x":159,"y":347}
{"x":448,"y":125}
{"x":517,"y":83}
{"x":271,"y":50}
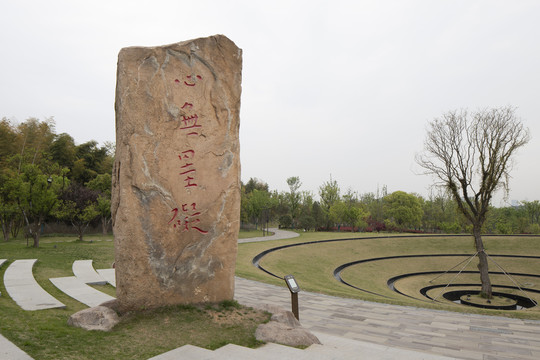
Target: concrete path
{"x":332,"y":348}
{"x":77,"y":286}
{"x":2,"y":261}
{"x":278,"y":235}
{"x":74,"y":287}
{"x":109,"y":275}
{"x":24,"y":289}
{"x":85,"y":272}
{"x":8,"y":351}
{"x":462,"y":336}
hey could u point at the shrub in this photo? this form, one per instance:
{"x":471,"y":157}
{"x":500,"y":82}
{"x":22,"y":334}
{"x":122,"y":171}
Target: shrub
{"x":285,"y":221}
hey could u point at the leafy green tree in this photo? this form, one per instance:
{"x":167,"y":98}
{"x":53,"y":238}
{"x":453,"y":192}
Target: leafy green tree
{"x":255,"y":183}
{"x":294,"y":197}
{"x":285,"y":221}
{"x":251,"y":208}
{"x":244,"y":217}
{"x":37,"y":196}
{"x":30,"y":154}
{"x":348,"y":212}
{"x":8,"y":142}
{"x":329,"y":193}
{"x":102,"y":184}
{"x":90,"y":160}
{"x":9,"y":211}
{"x":533,"y":210}
{"x":507,"y":220}
{"x":306,"y":222}
{"x":63,"y":151}
{"x":34,"y":140}
{"x":281,"y":205}
{"x":373,"y":205}
{"x":317,"y":215}
{"x":470,"y":155}
{"x":404,"y":209}
{"x":441,"y":214}
{"x":103,"y":207}
{"x":78,"y":204}
{"x":25,"y":166}
{"x":259,"y":201}
{"x":336,"y":213}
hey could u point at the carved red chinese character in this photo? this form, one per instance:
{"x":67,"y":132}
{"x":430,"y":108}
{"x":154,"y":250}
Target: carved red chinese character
{"x":188,"y":168}
{"x":192,"y":80}
{"x":189,"y":122}
{"x":189,"y":220}
{"x":188,"y":154}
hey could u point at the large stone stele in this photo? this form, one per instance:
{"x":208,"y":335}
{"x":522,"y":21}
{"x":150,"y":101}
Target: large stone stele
{"x":176,"y":178}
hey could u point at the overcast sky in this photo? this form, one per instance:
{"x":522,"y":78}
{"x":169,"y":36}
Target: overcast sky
{"x":330,"y":88}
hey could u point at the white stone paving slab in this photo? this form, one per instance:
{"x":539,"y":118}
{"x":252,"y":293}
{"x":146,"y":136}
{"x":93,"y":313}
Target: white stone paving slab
{"x":341,"y":348}
{"x":332,"y":348}
{"x":109,"y":275}
{"x":186,"y":352}
{"x":84,"y":270}
{"x":24,"y":289}
{"x":8,"y":350}
{"x":74,"y":287}
{"x":1,"y":262}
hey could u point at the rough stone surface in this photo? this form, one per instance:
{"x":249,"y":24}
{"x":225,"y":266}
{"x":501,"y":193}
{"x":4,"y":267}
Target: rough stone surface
{"x":280,"y":315}
{"x":111,"y":304}
{"x":287,"y":318}
{"x":280,"y":333}
{"x":94,"y":318}
{"x":283,"y":328}
{"x":176,"y":178}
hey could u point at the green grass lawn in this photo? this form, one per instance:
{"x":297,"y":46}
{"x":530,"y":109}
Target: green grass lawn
{"x":313,"y":266}
{"x":44,"y":334}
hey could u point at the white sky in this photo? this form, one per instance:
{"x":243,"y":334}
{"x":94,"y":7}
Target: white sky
{"x":340,"y":88}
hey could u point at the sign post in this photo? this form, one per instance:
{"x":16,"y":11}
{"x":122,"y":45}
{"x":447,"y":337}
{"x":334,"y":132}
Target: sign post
{"x":294,"y":289}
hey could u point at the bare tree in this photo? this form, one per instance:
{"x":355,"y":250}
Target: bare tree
{"x":471,"y":155}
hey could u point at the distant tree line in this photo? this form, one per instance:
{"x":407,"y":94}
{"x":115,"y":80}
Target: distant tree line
{"x":45,"y":177}
{"x":378,"y":211}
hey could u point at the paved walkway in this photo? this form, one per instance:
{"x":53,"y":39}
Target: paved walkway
{"x":78,"y":286}
{"x":24,"y":289}
{"x":74,"y":287}
{"x":1,"y":262}
{"x":8,"y":351}
{"x":464,"y":336}
{"x":84,"y":271}
{"x":278,"y":235}
{"x":109,"y":275}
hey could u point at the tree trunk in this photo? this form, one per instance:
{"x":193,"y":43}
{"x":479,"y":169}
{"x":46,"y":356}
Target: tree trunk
{"x":36,"y":232}
{"x":104,"y":225}
{"x":15,"y":227}
{"x":80,"y":229}
{"x":482,"y":264}
{"x":6,"y":230}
